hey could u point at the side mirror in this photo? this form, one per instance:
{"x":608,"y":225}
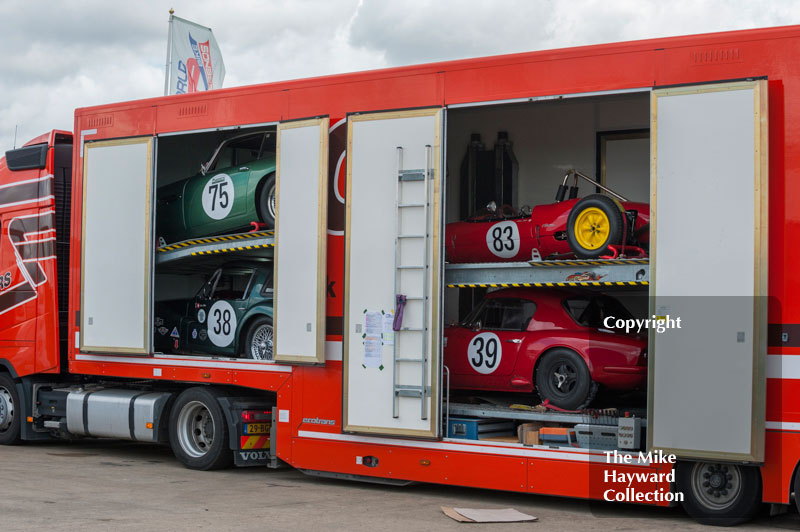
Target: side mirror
{"x":476,"y":326}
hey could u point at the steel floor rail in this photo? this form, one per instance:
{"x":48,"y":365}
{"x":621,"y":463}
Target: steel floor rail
{"x":263,"y":241}
{"x":555,"y":273}
{"x":504,"y":412}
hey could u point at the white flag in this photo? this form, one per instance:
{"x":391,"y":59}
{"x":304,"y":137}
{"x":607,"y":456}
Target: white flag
{"x":195,"y":62}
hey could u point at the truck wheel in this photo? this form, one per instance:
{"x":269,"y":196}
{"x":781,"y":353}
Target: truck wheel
{"x":593,"y":223}
{"x":266,"y":206}
{"x":719,"y":494}
{"x":198,"y":434}
{"x":563,"y":378}
{"x":258,"y":340}
{"x":10,"y":411}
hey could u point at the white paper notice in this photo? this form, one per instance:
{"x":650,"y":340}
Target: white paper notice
{"x":372,"y":323}
{"x":372,"y":351}
{"x":388,"y":329}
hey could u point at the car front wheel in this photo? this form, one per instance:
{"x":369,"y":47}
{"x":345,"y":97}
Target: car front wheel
{"x":266,"y":205}
{"x":563,"y":379}
{"x":259,"y":340}
{"x":594,"y":222}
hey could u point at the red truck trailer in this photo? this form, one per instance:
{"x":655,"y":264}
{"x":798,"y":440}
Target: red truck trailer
{"x":291,"y":344}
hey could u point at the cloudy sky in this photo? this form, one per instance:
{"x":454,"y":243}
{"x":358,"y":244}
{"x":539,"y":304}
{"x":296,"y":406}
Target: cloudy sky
{"x":59,"y":55}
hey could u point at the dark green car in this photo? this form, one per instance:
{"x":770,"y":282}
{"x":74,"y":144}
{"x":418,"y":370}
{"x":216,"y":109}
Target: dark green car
{"x":231,"y":315}
{"x":234,"y":188}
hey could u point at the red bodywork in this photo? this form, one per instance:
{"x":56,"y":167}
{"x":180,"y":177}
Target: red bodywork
{"x":544,"y":229}
{"x":616,"y":361}
{"x":30,"y":347}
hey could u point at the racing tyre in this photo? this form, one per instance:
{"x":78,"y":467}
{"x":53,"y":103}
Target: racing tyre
{"x":266,"y":204}
{"x":593,"y":223}
{"x":719,"y":494}
{"x":563,"y":378}
{"x":10,"y":411}
{"x":198,"y":433}
{"x":258,"y":343}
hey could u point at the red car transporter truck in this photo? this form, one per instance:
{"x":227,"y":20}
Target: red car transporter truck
{"x":703,"y":128}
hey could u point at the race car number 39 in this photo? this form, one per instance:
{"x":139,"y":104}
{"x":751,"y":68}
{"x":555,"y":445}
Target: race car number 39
{"x":484,"y":352}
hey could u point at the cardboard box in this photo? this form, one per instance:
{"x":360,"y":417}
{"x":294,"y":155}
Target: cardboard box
{"x":528,"y":433}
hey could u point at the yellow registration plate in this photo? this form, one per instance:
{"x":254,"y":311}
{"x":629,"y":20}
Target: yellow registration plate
{"x":257,"y":428}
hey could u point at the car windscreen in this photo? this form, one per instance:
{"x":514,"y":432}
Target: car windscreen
{"x":233,"y":284}
{"x":591,"y":311}
{"x":240,"y":151}
{"x":502,"y":314}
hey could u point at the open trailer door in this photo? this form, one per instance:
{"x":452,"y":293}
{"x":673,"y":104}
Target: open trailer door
{"x":301,"y":241}
{"x":116,"y":245}
{"x":392,"y":320}
{"x":709,"y":268}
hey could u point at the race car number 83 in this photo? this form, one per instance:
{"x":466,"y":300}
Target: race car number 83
{"x":502,"y":239}
{"x":484,"y":352}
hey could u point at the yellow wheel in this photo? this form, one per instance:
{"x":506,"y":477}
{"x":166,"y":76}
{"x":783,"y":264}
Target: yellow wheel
{"x":594,"y":222}
{"x":591,"y":228}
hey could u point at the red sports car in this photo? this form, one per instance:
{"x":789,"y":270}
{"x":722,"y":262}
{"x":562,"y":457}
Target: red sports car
{"x":553,"y":341}
{"x":584,"y":228}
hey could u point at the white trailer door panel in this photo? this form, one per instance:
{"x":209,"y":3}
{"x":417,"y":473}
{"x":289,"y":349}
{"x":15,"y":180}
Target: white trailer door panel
{"x":392,"y":247}
{"x":301,"y":241}
{"x":709,"y":267}
{"x":116,"y":242}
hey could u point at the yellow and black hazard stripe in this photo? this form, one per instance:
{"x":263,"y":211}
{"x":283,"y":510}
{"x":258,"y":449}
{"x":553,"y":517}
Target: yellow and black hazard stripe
{"x":215,"y":240}
{"x":560,"y":263}
{"x":550,"y":285}
{"x":236,"y":248}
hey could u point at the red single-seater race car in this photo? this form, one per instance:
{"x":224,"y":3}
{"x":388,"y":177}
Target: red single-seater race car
{"x":591,"y":227}
{"x":549,"y":340}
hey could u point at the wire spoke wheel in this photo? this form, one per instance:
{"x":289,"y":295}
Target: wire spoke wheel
{"x":195,"y":429}
{"x":261,"y":343}
{"x":272,"y":206}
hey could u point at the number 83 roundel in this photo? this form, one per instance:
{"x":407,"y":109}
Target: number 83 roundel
{"x":484,"y":352}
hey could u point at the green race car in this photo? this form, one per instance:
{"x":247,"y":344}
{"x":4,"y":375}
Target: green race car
{"x":234,"y":188}
{"x":231,"y":315}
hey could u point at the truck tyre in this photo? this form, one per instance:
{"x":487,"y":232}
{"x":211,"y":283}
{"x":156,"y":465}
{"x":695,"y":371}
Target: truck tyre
{"x":266,"y":205}
{"x":10,"y":411}
{"x":198,"y":433}
{"x":719,"y":494}
{"x":593,"y":223}
{"x":258,"y":342}
{"x":563,"y":379}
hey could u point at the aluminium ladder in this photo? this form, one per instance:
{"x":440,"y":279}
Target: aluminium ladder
{"x":411,"y":278}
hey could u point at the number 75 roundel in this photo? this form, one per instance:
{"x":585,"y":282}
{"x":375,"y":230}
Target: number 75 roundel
{"x":484,"y":352}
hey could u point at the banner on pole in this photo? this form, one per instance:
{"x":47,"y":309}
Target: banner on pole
{"x":195,"y":61}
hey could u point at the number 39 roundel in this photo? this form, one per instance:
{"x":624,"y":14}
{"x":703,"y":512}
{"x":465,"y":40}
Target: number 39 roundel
{"x":218,"y":196}
{"x":221,"y":324}
{"x":484,"y":352}
{"x":502,"y":239}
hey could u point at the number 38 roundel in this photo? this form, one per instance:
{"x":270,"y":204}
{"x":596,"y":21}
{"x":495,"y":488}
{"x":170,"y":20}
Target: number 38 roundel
{"x":502,"y":239}
{"x":221,"y":324}
{"x":484,"y":352}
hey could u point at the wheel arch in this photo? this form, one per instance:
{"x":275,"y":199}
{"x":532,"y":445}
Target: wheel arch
{"x":248,"y":319}
{"x":555,"y":347}
{"x":7,"y":367}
